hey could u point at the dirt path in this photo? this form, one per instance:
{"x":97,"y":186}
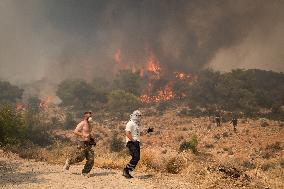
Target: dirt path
{"x":28,"y":174}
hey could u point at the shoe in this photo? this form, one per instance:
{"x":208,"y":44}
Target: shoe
{"x":126,"y":174}
{"x":86,"y":175}
{"x":67,"y":165}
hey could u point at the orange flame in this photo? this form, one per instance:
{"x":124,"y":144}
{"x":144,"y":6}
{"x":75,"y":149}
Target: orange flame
{"x":20,"y":107}
{"x":165,"y":94}
{"x":181,"y":75}
{"x":45,"y":103}
{"x":153,"y":65}
{"x":153,"y":70}
{"x":117,"y":56}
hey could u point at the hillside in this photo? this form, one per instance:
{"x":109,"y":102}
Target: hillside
{"x":250,"y":158}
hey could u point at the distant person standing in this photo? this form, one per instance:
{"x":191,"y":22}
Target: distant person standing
{"x":218,"y":120}
{"x":85,"y":143}
{"x":234,"y":121}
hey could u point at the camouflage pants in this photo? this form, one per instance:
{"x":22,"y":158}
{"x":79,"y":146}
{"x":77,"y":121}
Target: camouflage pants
{"x":83,"y":151}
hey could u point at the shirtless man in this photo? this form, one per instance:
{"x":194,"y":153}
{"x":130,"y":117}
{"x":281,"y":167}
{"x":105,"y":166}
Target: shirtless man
{"x":84,"y":148}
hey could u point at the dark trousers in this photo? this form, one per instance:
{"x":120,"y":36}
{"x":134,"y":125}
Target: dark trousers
{"x":235,"y":127}
{"x":218,"y":121}
{"x":84,"y":151}
{"x":134,"y":150}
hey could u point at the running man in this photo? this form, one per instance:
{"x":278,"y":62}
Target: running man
{"x":85,"y":143}
{"x":132,"y":132}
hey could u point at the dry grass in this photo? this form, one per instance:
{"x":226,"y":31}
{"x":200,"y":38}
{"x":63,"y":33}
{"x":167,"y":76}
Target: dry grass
{"x":54,"y":154}
{"x":175,"y":165}
{"x":217,"y":146}
{"x":150,"y":159}
{"x":110,"y":161}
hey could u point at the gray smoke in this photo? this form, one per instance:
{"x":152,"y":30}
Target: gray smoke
{"x":51,"y":40}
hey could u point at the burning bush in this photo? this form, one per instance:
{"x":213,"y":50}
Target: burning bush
{"x":120,"y":102}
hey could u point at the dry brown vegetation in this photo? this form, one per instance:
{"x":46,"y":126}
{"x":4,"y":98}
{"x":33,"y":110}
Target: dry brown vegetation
{"x":250,"y":157}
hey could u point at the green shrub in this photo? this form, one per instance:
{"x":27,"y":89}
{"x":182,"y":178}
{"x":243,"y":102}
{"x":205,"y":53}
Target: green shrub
{"x":33,"y":104}
{"x":9,"y":93}
{"x":70,"y":123}
{"x":209,"y":146}
{"x":55,"y":122}
{"x":12,"y":128}
{"x":267,"y":166}
{"x":190,"y":145}
{"x":128,"y":81}
{"x":37,"y":125}
{"x":264,"y":124}
{"x":162,"y":106}
{"x":79,"y":93}
{"x":120,"y":101}
{"x":116,"y":144}
{"x":248,"y":165}
{"x":271,"y":150}
{"x":17,"y":128}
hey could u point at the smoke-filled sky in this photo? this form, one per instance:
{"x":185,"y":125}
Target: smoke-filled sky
{"x":58,"y":39}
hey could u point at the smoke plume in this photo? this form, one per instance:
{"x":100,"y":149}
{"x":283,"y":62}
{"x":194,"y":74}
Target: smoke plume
{"x":57,"y":39}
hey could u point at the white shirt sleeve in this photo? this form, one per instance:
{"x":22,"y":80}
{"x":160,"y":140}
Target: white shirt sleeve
{"x":129,"y":127}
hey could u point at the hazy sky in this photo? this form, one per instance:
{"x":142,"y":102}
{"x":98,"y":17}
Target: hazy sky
{"x":58,"y":39}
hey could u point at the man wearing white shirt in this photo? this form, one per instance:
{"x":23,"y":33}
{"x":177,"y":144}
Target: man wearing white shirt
{"x":132,"y":132}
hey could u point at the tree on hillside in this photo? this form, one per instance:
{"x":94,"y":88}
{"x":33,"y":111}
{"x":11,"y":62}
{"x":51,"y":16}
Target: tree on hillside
{"x":76,"y":92}
{"x":9,"y":93}
{"x":120,"y":101}
{"x":12,"y":129}
{"x":204,"y":91}
{"x":239,"y":90}
{"x":33,"y":104}
{"x":128,"y":81}
{"x":102,"y":88}
{"x":101,"y":84}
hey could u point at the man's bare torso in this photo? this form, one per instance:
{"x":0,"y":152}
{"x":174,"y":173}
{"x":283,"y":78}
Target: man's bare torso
{"x":85,"y":129}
